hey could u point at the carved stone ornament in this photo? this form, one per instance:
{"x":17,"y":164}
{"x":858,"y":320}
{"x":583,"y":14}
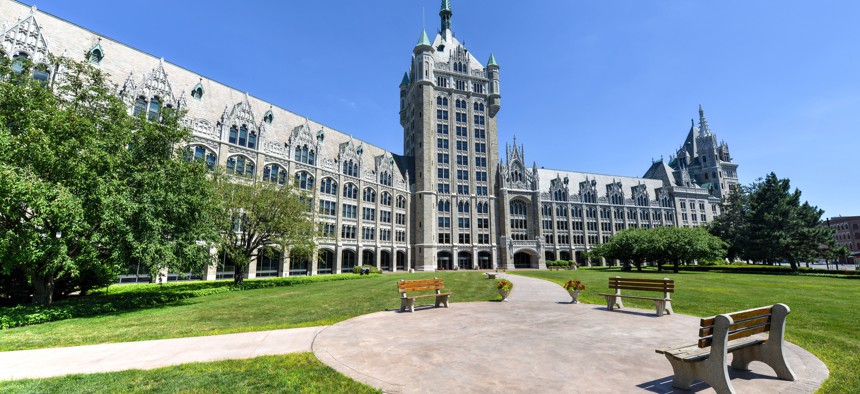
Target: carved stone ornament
{"x":205,"y":128}
{"x":275,"y":148}
{"x":26,"y":36}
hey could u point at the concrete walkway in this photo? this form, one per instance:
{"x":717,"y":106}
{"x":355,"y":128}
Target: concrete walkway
{"x":108,"y":357}
{"x":536,"y":342}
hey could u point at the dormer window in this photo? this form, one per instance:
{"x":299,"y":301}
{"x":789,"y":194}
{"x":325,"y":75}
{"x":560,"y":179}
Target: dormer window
{"x":96,"y":56}
{"x":197,"y":92}
{"x":269,"y":117}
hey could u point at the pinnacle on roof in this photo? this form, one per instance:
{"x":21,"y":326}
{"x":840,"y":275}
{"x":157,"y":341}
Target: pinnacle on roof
{"x":405,"y":80}
{"x":445,"y":15}
{"x":492,"y":61}
{"x":446,"y":5}
{"x":423,"y":40}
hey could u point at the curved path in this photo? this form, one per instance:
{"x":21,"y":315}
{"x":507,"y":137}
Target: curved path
{"x":536,"y":342}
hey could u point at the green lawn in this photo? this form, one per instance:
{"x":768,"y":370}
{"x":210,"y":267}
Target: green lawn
{"x":249,"y":310}
{"x":293,"y":373}
{"x":823,"y":317}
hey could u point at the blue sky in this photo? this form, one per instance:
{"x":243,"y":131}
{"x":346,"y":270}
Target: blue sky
{"x":595,"y":86}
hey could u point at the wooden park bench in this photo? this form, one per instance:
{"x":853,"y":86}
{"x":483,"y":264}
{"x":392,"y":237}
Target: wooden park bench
{"x":410,"y":286}
{"x":665,"y":286}
{"x":732,"y":333}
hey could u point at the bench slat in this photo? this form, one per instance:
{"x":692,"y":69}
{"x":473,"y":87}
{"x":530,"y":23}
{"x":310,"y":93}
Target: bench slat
{"x":637,"y":297}
{"x":637,"y":280}
{"x":661,"y":289}
{"x":429,"y":295}
{"x":692,"y":352}
{"x":707,"y":331}
{"x":419,"y":288}
{"x":737,"y":316}
{"x":705,"y":342}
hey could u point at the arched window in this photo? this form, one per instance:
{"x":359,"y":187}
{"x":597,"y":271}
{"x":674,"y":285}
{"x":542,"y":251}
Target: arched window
{"x":268,"y":117}
{"x":197,"y":92}
{"x":275,"y":173}
{"x":445,"y":102}
{"x":350,"y":168}
{"x":369,"y":195}
{"x":304,"y":180}
{"x":252,"y":140}
{"x":401,"y":202}
{"x":519,"y":220}
{"x":243,"y":135}
{"x":234,"y":134}
{"x":385,"y":199}
{"x":559,"y":195}
{"x":385,"y":178}
{"x":240,"y":166}
{"x":41,"y":73}
{"x":350,"y":191}
{"x":481,"y":107}
{"x":311,"y":157}
{"x":139,"y":106}
{"x":154,"y":108}
{"x":328,"y":186}
{"x":439,"y":101}
{"x":444,"y":206}
{"x":200,"y":152}
{"x":96,"y":56}
{"x":463,"y":207}
{"x":18,"y":62}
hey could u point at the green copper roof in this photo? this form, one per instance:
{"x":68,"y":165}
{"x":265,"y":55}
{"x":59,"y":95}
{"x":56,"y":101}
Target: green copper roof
{"x":405,"y":80}
{"x":446,"y":5}
{"x":492,"y":61}
{"x":423,"y":40}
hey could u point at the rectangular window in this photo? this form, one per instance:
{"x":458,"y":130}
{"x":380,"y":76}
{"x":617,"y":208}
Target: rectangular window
{"x":350,"y":211}
{"x":444,"y":238}
{"x":465,"y":238}
{"x":368,"y":214}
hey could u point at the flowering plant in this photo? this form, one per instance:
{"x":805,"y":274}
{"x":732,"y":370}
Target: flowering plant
{"x":504,"y":285}
{"x":573,"y":285}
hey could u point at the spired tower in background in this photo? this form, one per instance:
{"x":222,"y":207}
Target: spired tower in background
{"x":448,"y":108}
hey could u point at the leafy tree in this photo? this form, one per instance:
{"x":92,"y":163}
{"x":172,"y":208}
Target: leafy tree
{"x":256,"y":215}
{"x":731,"y":224}
{"x":672,"y":244}
{"x":86,"y":187}
{"x":770,"y":224}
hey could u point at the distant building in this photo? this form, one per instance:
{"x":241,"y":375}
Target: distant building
{"x":847,"y":233}
{"x":448,"y":202}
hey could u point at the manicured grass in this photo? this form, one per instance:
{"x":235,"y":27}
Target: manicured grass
{"x":823,"y":317}
{"x":293,"y":373}
{"x":301,"y":305}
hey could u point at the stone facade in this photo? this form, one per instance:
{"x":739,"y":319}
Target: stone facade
{"x":847,"y":232}
{"x":448,"y":202}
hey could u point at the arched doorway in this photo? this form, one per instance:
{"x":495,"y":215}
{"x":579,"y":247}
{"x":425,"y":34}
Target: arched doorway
{"x":549,"y":255}
{"x":522,"y":260}
{"x":564,"y":255}
{"x":464,"y":261}
{"x":325,"y":264}
{"x":484,"y":260}
{"x":385,"y":260}
{"x":368,"y":258}
{"x":347,"y":261}
{"x":580,"y":258}
{"x":444,"y":261}
{"x":401,"y":261}
{"x":298,"y":265}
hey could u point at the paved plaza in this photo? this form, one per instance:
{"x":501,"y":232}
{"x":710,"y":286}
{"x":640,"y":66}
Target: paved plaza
{"x":536,"y":342}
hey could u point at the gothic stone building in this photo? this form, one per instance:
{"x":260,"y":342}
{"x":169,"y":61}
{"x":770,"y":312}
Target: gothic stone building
{"x":448,"y":202}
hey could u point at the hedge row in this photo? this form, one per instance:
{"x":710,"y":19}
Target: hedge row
{"x":130,"y":297}
{"x":559,"y":263}
{"x":761,"y":269}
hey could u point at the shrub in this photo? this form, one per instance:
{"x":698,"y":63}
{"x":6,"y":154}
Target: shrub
{"x":131,"y":297}
{"x":357,"y":269}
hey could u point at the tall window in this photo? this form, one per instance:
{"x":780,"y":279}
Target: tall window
{"x":350,"y":191}
{"x":328,"y":186}
{"x":401,"y":202}
{"x":385,"y":178}
{"x":151,"y":107}
{"x":519,"y":220}
{"x":304,"y":180}
{"x":275,"y":173}
{"x":200,"y":152}
{"x":369,"y":195}
{"x":350,"y":168}
{"x":240,"y":166}
{"x":240,"y":135}
{"x":303,"y":154}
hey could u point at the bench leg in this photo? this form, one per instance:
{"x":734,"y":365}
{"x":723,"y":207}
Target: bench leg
{"x":612,"y":301}
{"x":661,"y":307}
{"x":410,"y":304}
{"x":442,"y":300}
{"x":668,"y":308}
{"x":708,"y":371}
{"x":403,"y":303}
{"x":769,"y":353}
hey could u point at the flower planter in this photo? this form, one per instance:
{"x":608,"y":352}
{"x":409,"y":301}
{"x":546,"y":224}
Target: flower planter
{"x":574,"y":294}
{"x":504,"y":294}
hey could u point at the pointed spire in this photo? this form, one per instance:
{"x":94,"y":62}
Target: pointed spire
{"x":492,"y":61}
{"x":703,"y":123}
{"x":423,"y":40}
{"x":445,"y":14}
{"x":405,"y":80}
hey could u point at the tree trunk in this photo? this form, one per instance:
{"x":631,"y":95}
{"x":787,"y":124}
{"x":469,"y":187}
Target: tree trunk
{"x":793,"y":264}
{"x":238,"y":274}
{"x":43,"y":289}
{"x":675,"y":266}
